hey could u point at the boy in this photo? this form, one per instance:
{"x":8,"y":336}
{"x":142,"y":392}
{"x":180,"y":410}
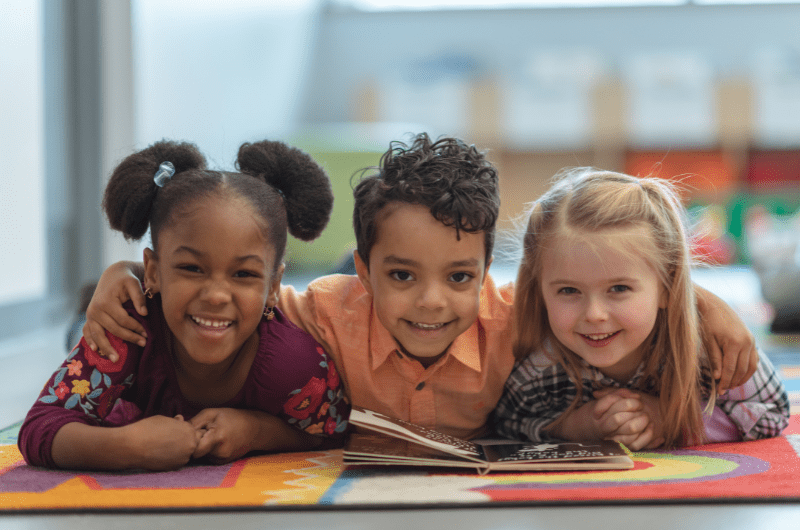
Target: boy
{"x":421,"y":333}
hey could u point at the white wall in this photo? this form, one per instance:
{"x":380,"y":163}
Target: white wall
{"x":22,"y":216}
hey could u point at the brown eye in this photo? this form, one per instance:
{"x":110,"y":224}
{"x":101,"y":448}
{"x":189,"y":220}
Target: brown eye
{"x":461,"y":277}
{"x":402,"y":276}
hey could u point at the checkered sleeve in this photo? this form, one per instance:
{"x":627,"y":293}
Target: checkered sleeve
{"x":535,"y":395}
{"x":760,"y":407}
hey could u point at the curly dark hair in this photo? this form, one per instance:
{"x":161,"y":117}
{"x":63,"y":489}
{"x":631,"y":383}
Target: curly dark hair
{"x":287,"y":188}
{"x":452,"y":179}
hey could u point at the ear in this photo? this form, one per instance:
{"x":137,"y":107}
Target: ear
{"x":152,"y":280}
{"x":663,"y":297}
{"x":363,"y":272}
{"x":486,"y":269}
{"x":275,"y":286}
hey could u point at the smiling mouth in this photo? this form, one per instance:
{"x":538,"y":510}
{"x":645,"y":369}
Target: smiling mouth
{"x":427,"y":327}
{"x":599,"y":336}
{"x":215,"y":324}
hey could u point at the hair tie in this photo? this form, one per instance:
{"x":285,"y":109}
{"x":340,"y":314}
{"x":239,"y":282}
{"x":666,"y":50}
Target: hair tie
{"x":164,"y":173}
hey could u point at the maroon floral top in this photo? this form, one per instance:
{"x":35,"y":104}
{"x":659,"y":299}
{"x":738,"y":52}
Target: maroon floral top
{"x":291,"y":377}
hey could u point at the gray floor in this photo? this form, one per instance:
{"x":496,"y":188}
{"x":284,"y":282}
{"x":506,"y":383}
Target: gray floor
{"x":727,"y":517}
{"x":28,"y":362}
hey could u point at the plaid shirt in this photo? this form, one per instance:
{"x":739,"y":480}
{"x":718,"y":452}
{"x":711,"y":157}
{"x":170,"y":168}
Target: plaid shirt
{"x":538,"y":392}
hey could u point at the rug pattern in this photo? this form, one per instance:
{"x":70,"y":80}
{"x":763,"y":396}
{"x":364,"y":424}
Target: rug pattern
{"x":759,"y":471}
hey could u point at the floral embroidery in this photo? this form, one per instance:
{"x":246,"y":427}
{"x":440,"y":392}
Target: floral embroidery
{"x":330,"y":426}
{"x":306,"y":400}
{"x":333,"y":376}
{"x":102,"y":363}
{"x":320,"y":399}
{"x":74,"y":368}
{"x":80,"y":387}
{"x":62,"y":390}
{"x":94,"y":396}
{"x":107,"y":400}
{"x":316,"y":428}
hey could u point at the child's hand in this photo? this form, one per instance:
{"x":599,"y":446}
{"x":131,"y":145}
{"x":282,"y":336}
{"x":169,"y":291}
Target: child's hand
{"x":226,"y":434}
{"x":117,"y":285}
{"x":159,"y":443}
{"x":641,"y":431}
{"x":617,"y":413}
{"x":730,"y":345}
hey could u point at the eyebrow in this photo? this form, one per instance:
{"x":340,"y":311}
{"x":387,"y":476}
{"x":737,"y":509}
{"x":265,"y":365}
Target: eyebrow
{"x":396,"y":260}
{"x":621,"y":279}
{"x":196,"y":253}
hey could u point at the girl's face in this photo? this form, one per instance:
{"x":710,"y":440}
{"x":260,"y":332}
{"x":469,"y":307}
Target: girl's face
{"x":213,"y":271}
{"x":601,"y":302}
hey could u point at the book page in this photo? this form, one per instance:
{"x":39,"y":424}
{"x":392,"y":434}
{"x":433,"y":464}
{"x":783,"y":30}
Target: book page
{"x":562,"y":451}
{"x":415,"y":433}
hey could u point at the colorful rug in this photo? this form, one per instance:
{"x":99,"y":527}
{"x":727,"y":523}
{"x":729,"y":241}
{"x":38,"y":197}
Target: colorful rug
{"x":760,"y":471}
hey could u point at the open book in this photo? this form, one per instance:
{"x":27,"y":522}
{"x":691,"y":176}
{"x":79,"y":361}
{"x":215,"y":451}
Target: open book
{"x":400,"y":443}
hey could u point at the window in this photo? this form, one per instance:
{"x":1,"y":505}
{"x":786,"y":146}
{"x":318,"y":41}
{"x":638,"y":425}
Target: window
{"x":22,"y":202}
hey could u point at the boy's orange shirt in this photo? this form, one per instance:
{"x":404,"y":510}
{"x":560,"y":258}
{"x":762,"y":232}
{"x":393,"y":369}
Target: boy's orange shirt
{"x":455,"y":395}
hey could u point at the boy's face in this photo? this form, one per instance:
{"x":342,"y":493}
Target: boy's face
{"x":425,"y":283}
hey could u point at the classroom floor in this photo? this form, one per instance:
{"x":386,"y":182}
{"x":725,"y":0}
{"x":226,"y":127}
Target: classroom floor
{"x":28,"y":361}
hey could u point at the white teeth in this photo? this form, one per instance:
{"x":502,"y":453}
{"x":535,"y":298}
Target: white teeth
{"x":420,"y":325}
{"x":600,"y":337}
{"x":212,"y":323}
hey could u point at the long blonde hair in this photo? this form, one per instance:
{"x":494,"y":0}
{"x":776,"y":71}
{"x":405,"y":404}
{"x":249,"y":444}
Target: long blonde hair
{"x":588,"y":200}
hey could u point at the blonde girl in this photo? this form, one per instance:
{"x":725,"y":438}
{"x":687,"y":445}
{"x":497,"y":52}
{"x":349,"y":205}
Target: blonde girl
{"x":609,"y":344}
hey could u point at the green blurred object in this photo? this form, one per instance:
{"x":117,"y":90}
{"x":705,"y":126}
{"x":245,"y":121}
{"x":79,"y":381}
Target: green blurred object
{"x":344,"y":150}
{"x":330,"y":248}
{"x":777,"y":203}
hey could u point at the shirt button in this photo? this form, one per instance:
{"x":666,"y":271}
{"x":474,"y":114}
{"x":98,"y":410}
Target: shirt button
{"x":421,"y":385}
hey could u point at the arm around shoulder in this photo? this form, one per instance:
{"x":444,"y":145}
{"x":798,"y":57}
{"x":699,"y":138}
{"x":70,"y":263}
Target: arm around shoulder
{"x":760,"y":407}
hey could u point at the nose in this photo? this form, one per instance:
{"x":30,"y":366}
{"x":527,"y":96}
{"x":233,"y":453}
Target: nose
{"x":431,"y":296}
{"x":216,"y":292}
{"x":596,"y":310}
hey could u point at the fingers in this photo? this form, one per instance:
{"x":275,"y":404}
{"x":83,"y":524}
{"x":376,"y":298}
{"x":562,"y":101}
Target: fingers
{"x":745,"y":368}
{"x":625,"y":423}
{"x":641,"y":441}
{"x":206,"y":444}
{"x":203,"y":419}
{"x":617,"y":402}
{"x":134,"y":292}
{"x":715,"y":356}
{"x":96,"y":338}
{"x":120,"y":324}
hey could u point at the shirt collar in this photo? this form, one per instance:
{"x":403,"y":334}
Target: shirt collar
{"x":604,"y":381}
{"x":465,"y":349}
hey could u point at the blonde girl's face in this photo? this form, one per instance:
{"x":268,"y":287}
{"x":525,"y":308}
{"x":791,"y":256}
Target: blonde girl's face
{"x":213,"y":271}
{"x":602,"y":302}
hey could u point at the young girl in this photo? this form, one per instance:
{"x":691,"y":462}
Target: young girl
{"x":222,"y":371}
{"x":608,"y":333}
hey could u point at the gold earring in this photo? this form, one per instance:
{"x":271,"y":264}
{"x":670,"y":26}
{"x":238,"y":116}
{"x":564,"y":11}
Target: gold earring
{"x":148,"y":293}
{"x":269,"y":313}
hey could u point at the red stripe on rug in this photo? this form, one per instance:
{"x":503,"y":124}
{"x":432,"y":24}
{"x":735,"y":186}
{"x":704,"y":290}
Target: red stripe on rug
{"x":233,"y":474}
{"x":91,"y":482}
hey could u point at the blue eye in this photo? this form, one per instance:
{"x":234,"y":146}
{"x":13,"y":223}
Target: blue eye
{"x":567,"y":290}
{"x":620,"y":288}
